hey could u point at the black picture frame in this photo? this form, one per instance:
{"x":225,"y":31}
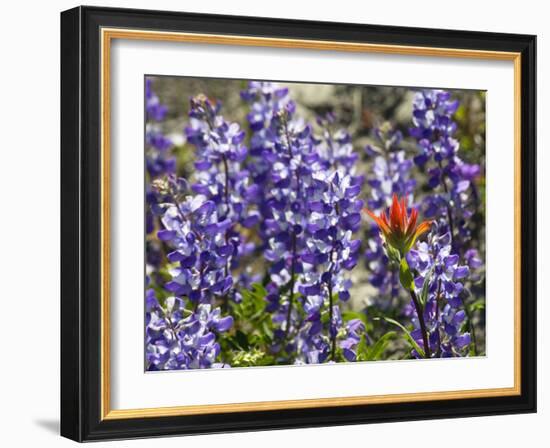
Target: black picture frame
{"x":81,"y":224}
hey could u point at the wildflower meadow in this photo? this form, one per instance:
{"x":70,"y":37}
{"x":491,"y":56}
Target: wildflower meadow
{"x":293,"y":224}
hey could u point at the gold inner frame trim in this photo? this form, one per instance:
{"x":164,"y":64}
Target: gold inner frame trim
{"x":107,"y":35}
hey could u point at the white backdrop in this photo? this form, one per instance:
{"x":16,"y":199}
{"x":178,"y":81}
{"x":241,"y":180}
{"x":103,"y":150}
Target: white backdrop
{"x":29,"y":188}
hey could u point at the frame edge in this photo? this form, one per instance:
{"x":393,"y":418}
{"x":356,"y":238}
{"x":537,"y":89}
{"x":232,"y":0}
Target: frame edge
{"x":78,"y":405}
{"x":529,"y":223}
{"x":71,"y":91}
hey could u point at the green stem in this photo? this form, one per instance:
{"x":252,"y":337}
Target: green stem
{"x":225,"y":304}
{"x":332,"y":337}
{"x":407,"y":281}
{"x":293,"y":265}
{"x":291,"y":293}
{"x":472,"y":328}
{"x":420,"y":314}
{"x":449,"y":210}
{"x":437,"y":300}
{"x":423,"y":329}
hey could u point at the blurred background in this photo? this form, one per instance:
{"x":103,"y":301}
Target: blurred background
{"x":358,"y":108}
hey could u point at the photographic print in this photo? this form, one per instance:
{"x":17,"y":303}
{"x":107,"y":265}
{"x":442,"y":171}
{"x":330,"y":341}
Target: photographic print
{"x":358,"y":232}
{"x":291,"y":223}
{"x":329,"y":223}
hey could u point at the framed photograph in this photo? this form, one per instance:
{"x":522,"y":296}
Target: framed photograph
{"x":276,"y":224}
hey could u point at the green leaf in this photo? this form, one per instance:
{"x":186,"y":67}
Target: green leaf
{"x":362,"y":349}
{"x":375,"y":352}
{"x":267,"y":329}
{"x":259,"y":291}
{"x":257,"y":316}
{"x":410,"y":339}
{"x":242,"y":340}
{"x":229,"y":341}
{"x":252,"y":307}
{"x":254,"y":357}
{"x":393,"y":253}
{"x":478,"y":305}
{"x":405,"y":276}
{"x":426,"y":287}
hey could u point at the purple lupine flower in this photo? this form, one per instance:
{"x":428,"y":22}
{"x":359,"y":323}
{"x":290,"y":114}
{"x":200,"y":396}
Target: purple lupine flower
{"x":313,"y":346}
{"x":219,"y":153}
{"x":452,"y":201}
{"x":335,"y":146}
{"x":330,"y":250}
{"x":287,"y":210}
{"x":306,"y":203}
{"x":220,"y":176}
{"x":444,"y":314}
{"x":159,"y":162}
{"x":455,"y":196}
{"x":353,"y":330}
{"x":196,"y":233}
{"x":154,"y":109}
{"x":177,"y":338}
{"x":266,"y":100}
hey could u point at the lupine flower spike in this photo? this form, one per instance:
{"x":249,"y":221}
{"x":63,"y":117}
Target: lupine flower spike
{"x":400,"y":230}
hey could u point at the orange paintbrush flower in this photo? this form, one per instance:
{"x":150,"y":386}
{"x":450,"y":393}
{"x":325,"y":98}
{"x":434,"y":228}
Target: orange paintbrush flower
{"x":400,"y":230}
